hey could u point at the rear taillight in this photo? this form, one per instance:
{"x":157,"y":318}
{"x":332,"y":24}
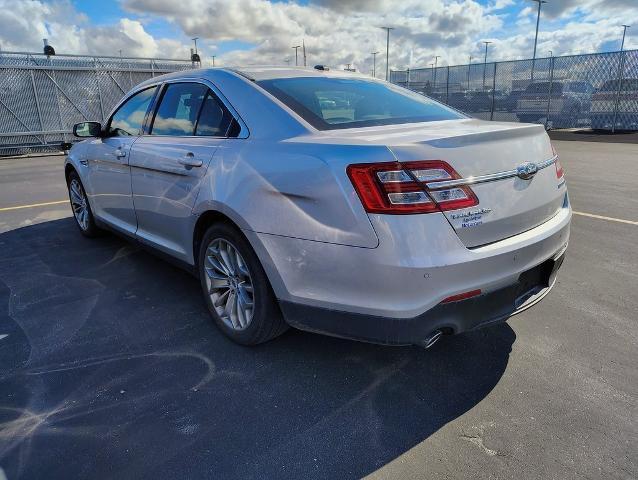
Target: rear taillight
{"x":400,"y":188}
{"x":559,"y":168}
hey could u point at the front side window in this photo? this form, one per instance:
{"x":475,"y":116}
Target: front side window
{"x":178,"y":109}
{"x":331,"y":103}
{"x":129,"y":118}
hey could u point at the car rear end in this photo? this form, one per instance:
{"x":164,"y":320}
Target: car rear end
{"x":471,"y":220}
{"x":536,"y":102}
{"x":603,"y":106}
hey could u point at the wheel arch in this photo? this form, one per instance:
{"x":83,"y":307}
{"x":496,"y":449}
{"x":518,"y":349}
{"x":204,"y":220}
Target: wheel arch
{"x":211,"y":216}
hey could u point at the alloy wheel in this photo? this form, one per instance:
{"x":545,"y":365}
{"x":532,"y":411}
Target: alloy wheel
{"x":79,"y":204}
{"x":229,"y":284}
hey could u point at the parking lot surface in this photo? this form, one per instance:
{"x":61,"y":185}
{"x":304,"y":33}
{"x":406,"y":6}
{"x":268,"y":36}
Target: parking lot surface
{"x":111,"y":368}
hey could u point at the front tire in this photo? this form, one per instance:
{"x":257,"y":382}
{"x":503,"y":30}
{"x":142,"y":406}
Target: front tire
{"x":81,"y":208}
{"x":236,"y":289}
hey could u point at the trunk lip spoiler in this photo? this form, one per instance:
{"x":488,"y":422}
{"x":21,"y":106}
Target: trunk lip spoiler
{"x":490,"y":177}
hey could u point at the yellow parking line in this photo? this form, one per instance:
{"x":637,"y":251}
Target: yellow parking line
{"x":601,"y":217}
{"x":19,"y":207}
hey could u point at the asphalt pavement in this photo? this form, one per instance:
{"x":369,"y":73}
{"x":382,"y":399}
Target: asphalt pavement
{"x":111,"y":368}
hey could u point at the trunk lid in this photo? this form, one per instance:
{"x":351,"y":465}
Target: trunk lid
{"x":474,"y":148}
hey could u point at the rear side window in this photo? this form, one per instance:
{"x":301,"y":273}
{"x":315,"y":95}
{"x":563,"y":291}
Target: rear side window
{"x":129,"y":118}
{"x":214,"y":119}
{"x":330,"y":103}
{"x":178,"y":109}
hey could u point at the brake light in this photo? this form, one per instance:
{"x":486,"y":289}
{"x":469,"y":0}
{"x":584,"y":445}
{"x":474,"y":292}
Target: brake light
{"x":559,"y":168}
{"x":400,"y":187}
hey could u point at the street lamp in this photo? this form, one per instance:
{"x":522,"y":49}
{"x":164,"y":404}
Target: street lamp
{"x":538,"y":19}
{"x":436,"y":61}
{"x":485,"y":62}
{"x":624,"y":32}
{"x":374,"y":64}
{"x":296,"y":47}
{"x":387,"y":52}
{"x":468,"y":72}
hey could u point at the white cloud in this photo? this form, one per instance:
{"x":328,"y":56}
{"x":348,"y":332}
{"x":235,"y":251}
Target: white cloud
{"x":336,"y":32}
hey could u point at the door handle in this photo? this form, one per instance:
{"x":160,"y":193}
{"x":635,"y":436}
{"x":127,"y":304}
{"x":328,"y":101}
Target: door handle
{"x":120,"y":153}
{"x":190,"y":161}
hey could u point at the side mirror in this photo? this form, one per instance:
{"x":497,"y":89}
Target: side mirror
{"x":87,"y":129}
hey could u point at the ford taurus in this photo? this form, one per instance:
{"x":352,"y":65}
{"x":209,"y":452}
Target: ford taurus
{"x":327,"y":201}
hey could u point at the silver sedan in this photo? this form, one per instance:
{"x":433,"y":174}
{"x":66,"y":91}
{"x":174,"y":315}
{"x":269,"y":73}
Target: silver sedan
{"x":328,"y":201}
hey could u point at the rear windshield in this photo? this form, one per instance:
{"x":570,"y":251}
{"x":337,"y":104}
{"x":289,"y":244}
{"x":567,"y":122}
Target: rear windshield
{"x":543,"y":87}
{"x":331,"y":103}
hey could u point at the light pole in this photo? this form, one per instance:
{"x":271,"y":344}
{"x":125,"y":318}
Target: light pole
{"x":485,"y":62}
{"x":213,"y":56}
{"x":551,"y":54}
{"x":374,"y":64}
{"x":387,"y":52}
{"x":296,"y":47}
{"x":468,"y":72}
{"x":538,"y":19}
{"x":624,"y":32}
{"x":436,"y":61}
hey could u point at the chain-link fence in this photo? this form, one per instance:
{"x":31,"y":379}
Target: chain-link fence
{"x":597,"y":90}
{"x":42,"y":97}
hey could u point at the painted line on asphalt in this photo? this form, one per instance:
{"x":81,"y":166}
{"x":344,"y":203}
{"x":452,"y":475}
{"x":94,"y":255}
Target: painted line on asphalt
{"x":33,"y":205}
{"x":601,"y":217}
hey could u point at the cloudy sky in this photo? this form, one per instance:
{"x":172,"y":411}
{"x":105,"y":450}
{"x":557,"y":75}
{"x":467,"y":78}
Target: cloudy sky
{"x":336,"y":32}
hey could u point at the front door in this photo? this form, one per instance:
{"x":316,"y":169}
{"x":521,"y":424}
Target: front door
{"x":109,"y":176}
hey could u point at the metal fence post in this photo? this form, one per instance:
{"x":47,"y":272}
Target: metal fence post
{"x":408,"y":78}
{"x":447,"y":85}
{"x":493,"y":92}
{"x":621,"y":75}
{"x":551,"y":85}
{"x":37,"y":104}
{"x":99,"y":90}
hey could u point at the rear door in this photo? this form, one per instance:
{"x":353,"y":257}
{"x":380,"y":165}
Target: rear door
{"x":169,"y":163}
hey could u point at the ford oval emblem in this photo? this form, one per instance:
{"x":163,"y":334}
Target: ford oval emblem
{"x":526,"y":171}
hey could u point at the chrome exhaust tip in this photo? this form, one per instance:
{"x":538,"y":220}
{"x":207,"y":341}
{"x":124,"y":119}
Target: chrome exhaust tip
{"x":431,"y":339}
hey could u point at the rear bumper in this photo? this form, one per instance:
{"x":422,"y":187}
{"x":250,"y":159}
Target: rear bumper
{"x":456,"y":317}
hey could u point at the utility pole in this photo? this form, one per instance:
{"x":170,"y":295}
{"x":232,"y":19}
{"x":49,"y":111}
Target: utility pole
{"x":296,"y":47}
{"x":551,"y":54}
{"x":303,"y":42}
{"x":374,"y":64}
{"x":624,"y":32}
{"x":468,"y":72}
{"x":485,"y":62}
{"x":195,"y":40}
{"x":387,"y":52}
{"x":538,"y":20}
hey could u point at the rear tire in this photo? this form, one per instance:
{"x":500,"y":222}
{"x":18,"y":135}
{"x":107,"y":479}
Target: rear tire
{"x":236,"y":289}
{"x":81,"y":208}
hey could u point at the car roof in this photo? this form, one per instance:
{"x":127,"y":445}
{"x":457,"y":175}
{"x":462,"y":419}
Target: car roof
{"x":271,"y":72}
{"x":257,"y":73}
